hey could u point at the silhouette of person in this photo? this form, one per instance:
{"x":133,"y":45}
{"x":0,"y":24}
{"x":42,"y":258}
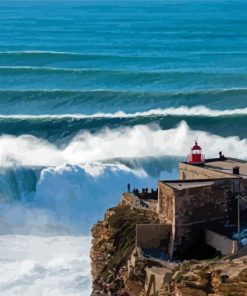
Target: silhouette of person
{"x":221,"y":155}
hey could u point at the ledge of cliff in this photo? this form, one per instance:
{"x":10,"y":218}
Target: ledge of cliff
{"x":113,"y":249}
{"x":113,"y":241}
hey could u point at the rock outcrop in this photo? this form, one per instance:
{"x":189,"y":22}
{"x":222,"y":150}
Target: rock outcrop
{"x":222,"y":277}
{"x":113,"y":241}
{"x":113,"y":252}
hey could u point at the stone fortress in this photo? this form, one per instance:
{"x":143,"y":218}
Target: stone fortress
{"x":207,"y":202}
{"x":187,"y":237}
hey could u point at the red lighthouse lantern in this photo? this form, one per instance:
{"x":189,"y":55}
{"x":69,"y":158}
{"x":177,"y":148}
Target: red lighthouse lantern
{"x":196,"y":156}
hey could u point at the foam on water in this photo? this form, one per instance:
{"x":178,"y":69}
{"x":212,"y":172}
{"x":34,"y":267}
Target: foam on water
{"x":131,"y":142}
{"x":66,"y":199}
{"x":45,"y":266}
{"x":43,"y":260}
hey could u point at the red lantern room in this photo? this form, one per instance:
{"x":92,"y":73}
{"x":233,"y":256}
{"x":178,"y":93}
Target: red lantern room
{"x":196,"y":156}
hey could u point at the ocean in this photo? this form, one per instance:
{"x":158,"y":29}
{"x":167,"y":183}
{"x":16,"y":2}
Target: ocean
{"x":98,"y":94}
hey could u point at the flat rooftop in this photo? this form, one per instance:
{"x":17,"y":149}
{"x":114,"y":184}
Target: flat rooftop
{"x":184,"y":184}
{"x":227,"y":165}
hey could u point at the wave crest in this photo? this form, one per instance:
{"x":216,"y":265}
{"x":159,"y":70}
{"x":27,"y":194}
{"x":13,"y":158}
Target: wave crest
{"x":180,"y":111}
{"x":130,"y":142}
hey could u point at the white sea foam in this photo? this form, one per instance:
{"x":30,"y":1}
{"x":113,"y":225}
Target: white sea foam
{"x":180,"y":111}
{"x":131,"y":142}
{"x":66,"y":196}
{"x":66,"y":199}
{"x":45,"y":266}
{"x":42,"y":260}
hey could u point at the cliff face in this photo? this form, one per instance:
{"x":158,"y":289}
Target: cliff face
{"x":113,"y":242}
{"x":214,"y":278}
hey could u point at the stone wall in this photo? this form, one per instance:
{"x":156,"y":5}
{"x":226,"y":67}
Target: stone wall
{"x":155,"y":279}
{"x":194,"y":208}
{"x":200,"y":204}
{"x":189,"y":172}
{"x":152,"y":235}
{"x":221,"y":243}
{"x":189,"y":210}
{"x":112,"y":244}
{"x":166,"y":203}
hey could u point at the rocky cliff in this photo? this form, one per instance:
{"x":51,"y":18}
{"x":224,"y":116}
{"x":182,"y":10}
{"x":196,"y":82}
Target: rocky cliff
{"x":223,"y":277}
{"x":113,"y":242}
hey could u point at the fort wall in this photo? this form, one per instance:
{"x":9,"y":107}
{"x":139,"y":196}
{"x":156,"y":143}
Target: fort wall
{"x":188,"y":171}
{"x":221,"y":242}
{"x":189,"y":210}
{"x":152,"y":235}
{"x":166,"y":203}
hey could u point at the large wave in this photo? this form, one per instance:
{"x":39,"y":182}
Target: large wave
{"x":69,"y":188}
{"x":61,"y":185}
{"x":66,"y":199}
{"x":130,"y":142}
{"x":62,"y":128}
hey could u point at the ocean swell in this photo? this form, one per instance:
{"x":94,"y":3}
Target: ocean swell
{"x":179,"y":111}
{"x":55,"y":101}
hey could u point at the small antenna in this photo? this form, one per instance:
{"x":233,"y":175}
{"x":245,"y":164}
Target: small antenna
{"x":196,"y":140}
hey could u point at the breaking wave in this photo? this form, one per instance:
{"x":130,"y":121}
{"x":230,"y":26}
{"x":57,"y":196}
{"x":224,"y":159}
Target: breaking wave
{"x":180,"y":111}
{"x":67,"y":199}
{"x":61,"y":185}
{"x":69,"y":188}
{"x":130,"y":142}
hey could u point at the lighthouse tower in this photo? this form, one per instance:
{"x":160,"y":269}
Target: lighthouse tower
{"x":196,"y":156}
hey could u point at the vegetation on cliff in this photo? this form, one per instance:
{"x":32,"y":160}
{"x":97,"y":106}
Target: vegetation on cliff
{"x":112,"y":244}
{"x":124,"y":220}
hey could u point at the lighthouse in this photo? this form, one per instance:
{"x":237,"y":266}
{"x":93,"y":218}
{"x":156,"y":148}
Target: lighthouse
{"x":196,"y":156}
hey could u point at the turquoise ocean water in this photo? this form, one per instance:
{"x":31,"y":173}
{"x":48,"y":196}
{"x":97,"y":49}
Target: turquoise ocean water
{"x":88,"y":57}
